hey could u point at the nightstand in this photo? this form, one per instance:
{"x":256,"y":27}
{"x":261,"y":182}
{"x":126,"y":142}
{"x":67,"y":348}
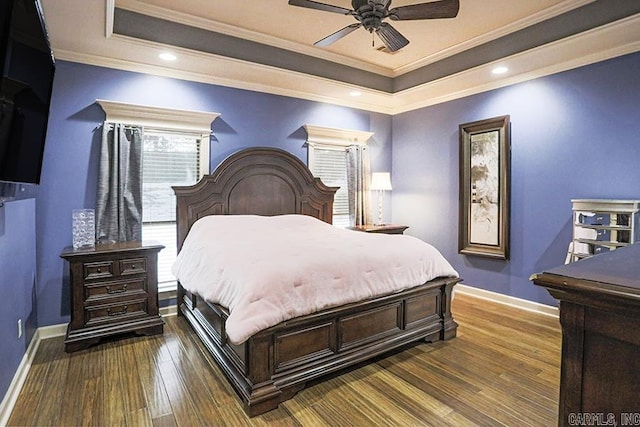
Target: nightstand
{"x":114,"y":289}
{"x":385,"y":228}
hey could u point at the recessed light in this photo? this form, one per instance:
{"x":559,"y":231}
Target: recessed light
{"x":500,"y":70}
{"x":355,"y":93}
{"x":166,"y":56}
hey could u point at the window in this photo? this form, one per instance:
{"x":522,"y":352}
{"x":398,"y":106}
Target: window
{"x":175,"y":152}
{"x":328,"y":161}
{"x":169,"y":157}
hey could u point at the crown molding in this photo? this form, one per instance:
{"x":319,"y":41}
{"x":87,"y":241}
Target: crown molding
{"x":230,"y":72}
{"x":243,"y":33}
{"x":146,"y":115}
{"x":599,"y":44}
{"x":536,"y":18}
{"x":609,"y":41}
{"x":335,"y":136}
{"x":254,"y":36}
{"x":110,"y":9}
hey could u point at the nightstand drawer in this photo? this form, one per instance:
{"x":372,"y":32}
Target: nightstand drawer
{"x":133,"y":266}
{"x":111,"y":313}
{"x":98,"y":270}
{"x":100,"y":290}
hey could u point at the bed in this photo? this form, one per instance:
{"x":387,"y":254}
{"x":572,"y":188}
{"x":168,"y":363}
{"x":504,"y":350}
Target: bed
{"x":273,"y":364}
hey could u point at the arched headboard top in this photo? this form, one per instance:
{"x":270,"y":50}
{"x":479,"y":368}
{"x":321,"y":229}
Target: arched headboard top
{"x":260,"y":181}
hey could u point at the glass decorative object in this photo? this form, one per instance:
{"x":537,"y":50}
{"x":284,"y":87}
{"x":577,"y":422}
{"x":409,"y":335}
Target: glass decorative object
{"x":84,"y":229}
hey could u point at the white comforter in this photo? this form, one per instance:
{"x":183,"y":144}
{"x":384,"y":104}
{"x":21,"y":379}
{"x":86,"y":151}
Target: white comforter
{"x":270,"y":269}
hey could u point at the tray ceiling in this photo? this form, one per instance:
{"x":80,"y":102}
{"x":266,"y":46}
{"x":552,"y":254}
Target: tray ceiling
{"x":267,"y":45}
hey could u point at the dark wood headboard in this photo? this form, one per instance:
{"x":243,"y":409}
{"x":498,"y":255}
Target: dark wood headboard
{"x":258,"y":181}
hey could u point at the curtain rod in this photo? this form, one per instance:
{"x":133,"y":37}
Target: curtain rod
{"x":158,"y":129}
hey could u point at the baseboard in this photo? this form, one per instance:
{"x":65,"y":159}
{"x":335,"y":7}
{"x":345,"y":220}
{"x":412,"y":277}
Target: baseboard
{"x":519,"y":303}
{"x":42,"y":333}
{"x":10,"y":398}
{"x":53,"y":331}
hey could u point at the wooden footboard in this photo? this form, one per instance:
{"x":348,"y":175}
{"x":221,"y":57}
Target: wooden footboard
{"x":273,"y":365}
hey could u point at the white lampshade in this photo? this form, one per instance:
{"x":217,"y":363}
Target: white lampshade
{"x":381,"y":181}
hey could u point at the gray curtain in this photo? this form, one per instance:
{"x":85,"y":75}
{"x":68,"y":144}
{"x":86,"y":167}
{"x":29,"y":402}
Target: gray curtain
{"x":358,"y":180}
{"x":119,"y":204}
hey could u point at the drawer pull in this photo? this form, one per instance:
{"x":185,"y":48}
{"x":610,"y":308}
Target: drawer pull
{"x":117,"y":313}
{"x":99,"y":270}
{"x":116,"y":291}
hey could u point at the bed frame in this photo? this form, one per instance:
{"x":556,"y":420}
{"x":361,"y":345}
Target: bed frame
{"x":276,"y":363}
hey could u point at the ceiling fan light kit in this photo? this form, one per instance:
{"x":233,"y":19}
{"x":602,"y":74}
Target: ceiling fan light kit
{"x":370,"y":15}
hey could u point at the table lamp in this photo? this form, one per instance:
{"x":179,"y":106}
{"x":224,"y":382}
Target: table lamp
{"x":380,"y":181}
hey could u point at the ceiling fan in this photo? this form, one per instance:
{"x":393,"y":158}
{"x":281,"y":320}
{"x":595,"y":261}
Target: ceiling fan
{"x":371,"y":13}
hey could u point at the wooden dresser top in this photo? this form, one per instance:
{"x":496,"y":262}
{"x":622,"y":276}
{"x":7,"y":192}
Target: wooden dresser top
{"x":613,"y":273}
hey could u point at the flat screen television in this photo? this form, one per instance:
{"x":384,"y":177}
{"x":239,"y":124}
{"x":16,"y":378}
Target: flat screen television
{"x":27,"y":68}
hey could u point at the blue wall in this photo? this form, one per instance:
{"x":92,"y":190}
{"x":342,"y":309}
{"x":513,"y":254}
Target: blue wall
{"x":71,"y":156}
{"x":17,"y":284}
{"x":574,"y":135}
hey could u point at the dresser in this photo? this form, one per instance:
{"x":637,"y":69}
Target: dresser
{"x":114,"y":289}
{"x":602,"y":225}
{"x":386,"y":228}
{"x":600,"y":317}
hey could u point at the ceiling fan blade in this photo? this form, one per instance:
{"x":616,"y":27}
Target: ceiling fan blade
{"x":320,"y":6}
{"x":337,"y":35}
{"x":391,"y":37}
{"x":433,"y":10}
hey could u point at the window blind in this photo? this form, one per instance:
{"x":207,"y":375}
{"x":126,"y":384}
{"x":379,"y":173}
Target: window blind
{"x":165,"y":233}
{"x":330,"y":165}
{"x":168,"y":158}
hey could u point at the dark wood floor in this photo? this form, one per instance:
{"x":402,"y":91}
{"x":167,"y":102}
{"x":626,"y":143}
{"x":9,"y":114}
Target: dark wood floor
{"x":502,"y":369}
